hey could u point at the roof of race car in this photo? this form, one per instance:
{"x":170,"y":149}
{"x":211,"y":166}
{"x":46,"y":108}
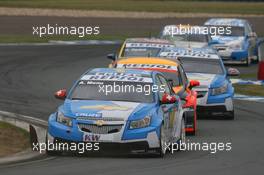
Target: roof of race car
{"x":148,"y":63}
{"x":148,"y":40}
{"x":206,"y":53}
{"x":118,"y":74}
{"x":120,"y":71}
{"x":226,"y":22}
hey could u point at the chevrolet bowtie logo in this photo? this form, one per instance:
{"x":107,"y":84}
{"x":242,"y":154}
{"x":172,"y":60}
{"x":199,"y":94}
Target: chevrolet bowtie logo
{"x":99,"y":122}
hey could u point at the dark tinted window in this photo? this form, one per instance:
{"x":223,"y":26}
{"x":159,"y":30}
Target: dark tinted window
{"x":132,"y":91}
{"x":140,"y":52}
{"x":201,"y":65}
{"x":174,"y":76}
{"x":235,"y":31}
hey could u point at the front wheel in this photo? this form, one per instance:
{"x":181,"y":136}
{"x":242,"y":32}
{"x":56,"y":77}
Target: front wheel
{"x":51,"y":152}
{"x":183,"y":133}
{"x":162,"y":140}
{"x":182,"y":140}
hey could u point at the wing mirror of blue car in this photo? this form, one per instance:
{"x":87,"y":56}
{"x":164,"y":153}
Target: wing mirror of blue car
{"x":61,"y":94}
{"x":252,"y":35}
{"x":193,"y":83}
{"x":168,"y":99}
{"x":111,"y":56}
{"x":233,"y":72}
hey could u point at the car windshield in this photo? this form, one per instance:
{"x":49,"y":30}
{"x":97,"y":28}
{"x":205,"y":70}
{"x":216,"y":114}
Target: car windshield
{"x":174,"y":76}
{"x":235,"y":31}
{"x":113,"y":91}
{"x":187,"y":37}
{"x":202,"y":65}
{"x":140,"y":52}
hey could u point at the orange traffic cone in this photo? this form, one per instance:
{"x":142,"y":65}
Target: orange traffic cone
{"x":261,"y":70}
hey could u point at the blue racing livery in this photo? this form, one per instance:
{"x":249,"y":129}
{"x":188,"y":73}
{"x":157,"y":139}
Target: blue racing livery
{"x":239,"y":45}
{"x":144,"y":120}
{"x":215,"y":93}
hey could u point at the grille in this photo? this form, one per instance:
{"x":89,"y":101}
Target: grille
{"x":103,"y":118}
{"x":105,"y":129}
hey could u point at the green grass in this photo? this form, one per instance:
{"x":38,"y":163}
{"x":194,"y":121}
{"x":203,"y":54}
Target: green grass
{"x":143,"y":5}
{"x":13,"y":139}
{"x":254,"y":90}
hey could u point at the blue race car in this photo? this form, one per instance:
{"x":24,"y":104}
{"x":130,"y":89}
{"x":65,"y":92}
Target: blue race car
{"x":238,"y":44}
{"x":215,"y":93}
{"x":131,"y":110}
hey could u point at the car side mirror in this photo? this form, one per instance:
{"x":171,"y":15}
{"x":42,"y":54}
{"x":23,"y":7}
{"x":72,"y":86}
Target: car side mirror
{"x":252,"y":35}
{"x":194,"y":83}
{"x":111,"y":56}
{"x":168,"y":99}
{"x":61,"y":94}
{"x":233,"y":72}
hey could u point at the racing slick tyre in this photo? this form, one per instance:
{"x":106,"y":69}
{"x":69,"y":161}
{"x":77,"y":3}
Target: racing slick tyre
{"x":183,"y":134}
{"x":182,"y":139}
{"x":51,"y":152}
{"x":162,"y":148}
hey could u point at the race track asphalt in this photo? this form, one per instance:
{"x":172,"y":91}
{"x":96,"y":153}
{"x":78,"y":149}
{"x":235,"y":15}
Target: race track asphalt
{"x":31,"y":74}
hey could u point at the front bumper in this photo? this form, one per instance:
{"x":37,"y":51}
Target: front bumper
{"x":217,"y":108}
{"x":232,"y":56}
{"x":149,"y":135}
{"x":215,"y":105}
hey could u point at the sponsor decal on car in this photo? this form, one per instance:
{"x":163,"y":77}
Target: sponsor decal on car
{"x":93,"y":115}
{"x":88,"y":137}
{"x":186,"y":53}
{"x":148,"y":45}
{"x":106,"y":107}
{"x":147,"y":66}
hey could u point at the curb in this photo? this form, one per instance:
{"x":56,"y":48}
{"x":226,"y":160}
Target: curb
{"x":29,"y":124}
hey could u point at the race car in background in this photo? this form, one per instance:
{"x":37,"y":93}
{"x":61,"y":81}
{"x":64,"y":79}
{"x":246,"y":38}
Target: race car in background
{"x":175,"y":74}
{"x":131,"y":120}
{"x":187,"y":36}
{"x":139,"y":47}
{"x":215,"y":93}
{"x":239,"y":45}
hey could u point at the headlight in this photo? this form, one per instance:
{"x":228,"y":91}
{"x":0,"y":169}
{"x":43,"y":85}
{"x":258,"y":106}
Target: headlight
{"x":142,"y":123}
{"x":63,"y":120}
{"x":220,"y":90}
